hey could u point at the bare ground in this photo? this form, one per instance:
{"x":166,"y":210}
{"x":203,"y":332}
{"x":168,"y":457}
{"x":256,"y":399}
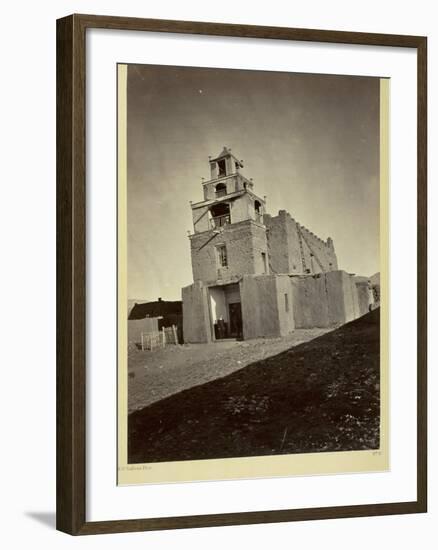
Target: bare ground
{"x":164,"y":372}
{"x":322,"y":395}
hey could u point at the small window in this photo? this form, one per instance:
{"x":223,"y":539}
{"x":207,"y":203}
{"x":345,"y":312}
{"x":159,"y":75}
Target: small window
{"x":265,"y":267}
{"x":286,"y":302}
{"x":222,"y":255}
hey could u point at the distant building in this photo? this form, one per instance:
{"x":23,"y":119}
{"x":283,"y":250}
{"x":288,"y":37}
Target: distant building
{"x":167,"y":313}
{"x":255,"y":274}
{"x":159,"y":308}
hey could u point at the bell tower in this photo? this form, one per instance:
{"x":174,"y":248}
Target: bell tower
{"x":229,"y":238}
{"x":228,"y":195}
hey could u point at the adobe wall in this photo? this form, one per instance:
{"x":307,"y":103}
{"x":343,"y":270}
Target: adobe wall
{"x":196,"y":319}
{"x":320,"y":300}
{"x":322,"y":250}
{"x":284,"y":250}
{"x":364,"y":299}
{"x":310,"y":302}
{"x":287,"y":253}
{"x":285,"y":305}
{"x":351,"y":303}
{"x":324,"y":300}
{"x":259,"y":306}
{"x":244,"y":241}
{"x":201,"y":219}
{"x":336,"y":282}
{"x":264,"y":311}
{"x":242,"y":208}
{"x":137,"y":326}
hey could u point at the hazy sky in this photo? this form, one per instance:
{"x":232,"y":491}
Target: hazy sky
{"x":310,"y":142}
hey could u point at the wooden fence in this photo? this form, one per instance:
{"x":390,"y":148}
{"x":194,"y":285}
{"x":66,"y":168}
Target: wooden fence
{"x":158,"y":339}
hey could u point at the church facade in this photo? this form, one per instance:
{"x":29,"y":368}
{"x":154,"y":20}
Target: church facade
{"x":257,"y":275}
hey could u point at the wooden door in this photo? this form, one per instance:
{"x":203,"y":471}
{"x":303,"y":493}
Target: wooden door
{"x":235,"y":312}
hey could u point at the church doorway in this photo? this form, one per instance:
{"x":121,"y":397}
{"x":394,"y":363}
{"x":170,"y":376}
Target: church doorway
{"x":235,"y":314}
{"x":226,"y":311}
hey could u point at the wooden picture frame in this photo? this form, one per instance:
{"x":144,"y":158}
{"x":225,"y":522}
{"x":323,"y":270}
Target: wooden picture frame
{"x":71,"y":273}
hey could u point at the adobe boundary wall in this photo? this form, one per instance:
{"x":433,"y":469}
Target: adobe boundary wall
{"x":266,"y":312}
{"x":196,"y":316}
{"x":275,"y":305}
{"x":325,"y":300}
{"x":137,"y":326}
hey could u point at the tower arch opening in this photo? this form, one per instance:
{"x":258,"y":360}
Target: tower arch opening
{"x":222,"y":168}
{"x":258,"y":210}
{"x":220,"y":214}
{"x":221,"y":190}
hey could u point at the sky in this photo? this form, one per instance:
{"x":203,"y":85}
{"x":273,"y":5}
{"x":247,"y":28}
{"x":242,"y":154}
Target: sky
{"x":310,"y":143}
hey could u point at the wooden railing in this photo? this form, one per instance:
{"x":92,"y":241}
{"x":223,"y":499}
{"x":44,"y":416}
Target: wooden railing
{"x":220,"y":221}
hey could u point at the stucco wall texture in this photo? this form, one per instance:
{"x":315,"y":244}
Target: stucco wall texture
{"x":324,"y":300}
{"x":262,"y":307}
{"x":244,"y":241}
{"x":295,"y":249}
{"x":364,"y":298}
{"x":274,"y":305}
{"x":137,"y":326}
{"x":196,"y":316}
{"x":283,"y":275}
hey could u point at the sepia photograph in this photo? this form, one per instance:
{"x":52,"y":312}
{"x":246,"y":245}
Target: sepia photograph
{"x":241,"y":274}
{"x":252,"y":271}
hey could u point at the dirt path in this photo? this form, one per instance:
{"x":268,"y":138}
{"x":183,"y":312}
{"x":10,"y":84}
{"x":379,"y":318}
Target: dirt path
{"x":159,"y":374}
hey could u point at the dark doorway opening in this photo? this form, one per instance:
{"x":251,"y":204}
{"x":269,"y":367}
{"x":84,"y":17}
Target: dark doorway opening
{"x":235,"y":312}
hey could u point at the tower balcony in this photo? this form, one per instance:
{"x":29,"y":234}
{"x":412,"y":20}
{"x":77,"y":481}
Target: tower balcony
{"x":220,"y":221}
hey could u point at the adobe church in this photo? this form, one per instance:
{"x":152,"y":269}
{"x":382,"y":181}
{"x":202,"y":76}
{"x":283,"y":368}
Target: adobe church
{"x":257,"y":275}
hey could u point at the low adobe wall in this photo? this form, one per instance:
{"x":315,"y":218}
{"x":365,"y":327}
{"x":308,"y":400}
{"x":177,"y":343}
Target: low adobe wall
{"x":259,"y":306}
{"x":285,"y":305}
{"x":274,"y":305}
{"x":266,"y":313}
{"x":196,"y":321}
{"x":365,"y":299}
{"x":137,"y":326}
{"x":324,"y":300}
